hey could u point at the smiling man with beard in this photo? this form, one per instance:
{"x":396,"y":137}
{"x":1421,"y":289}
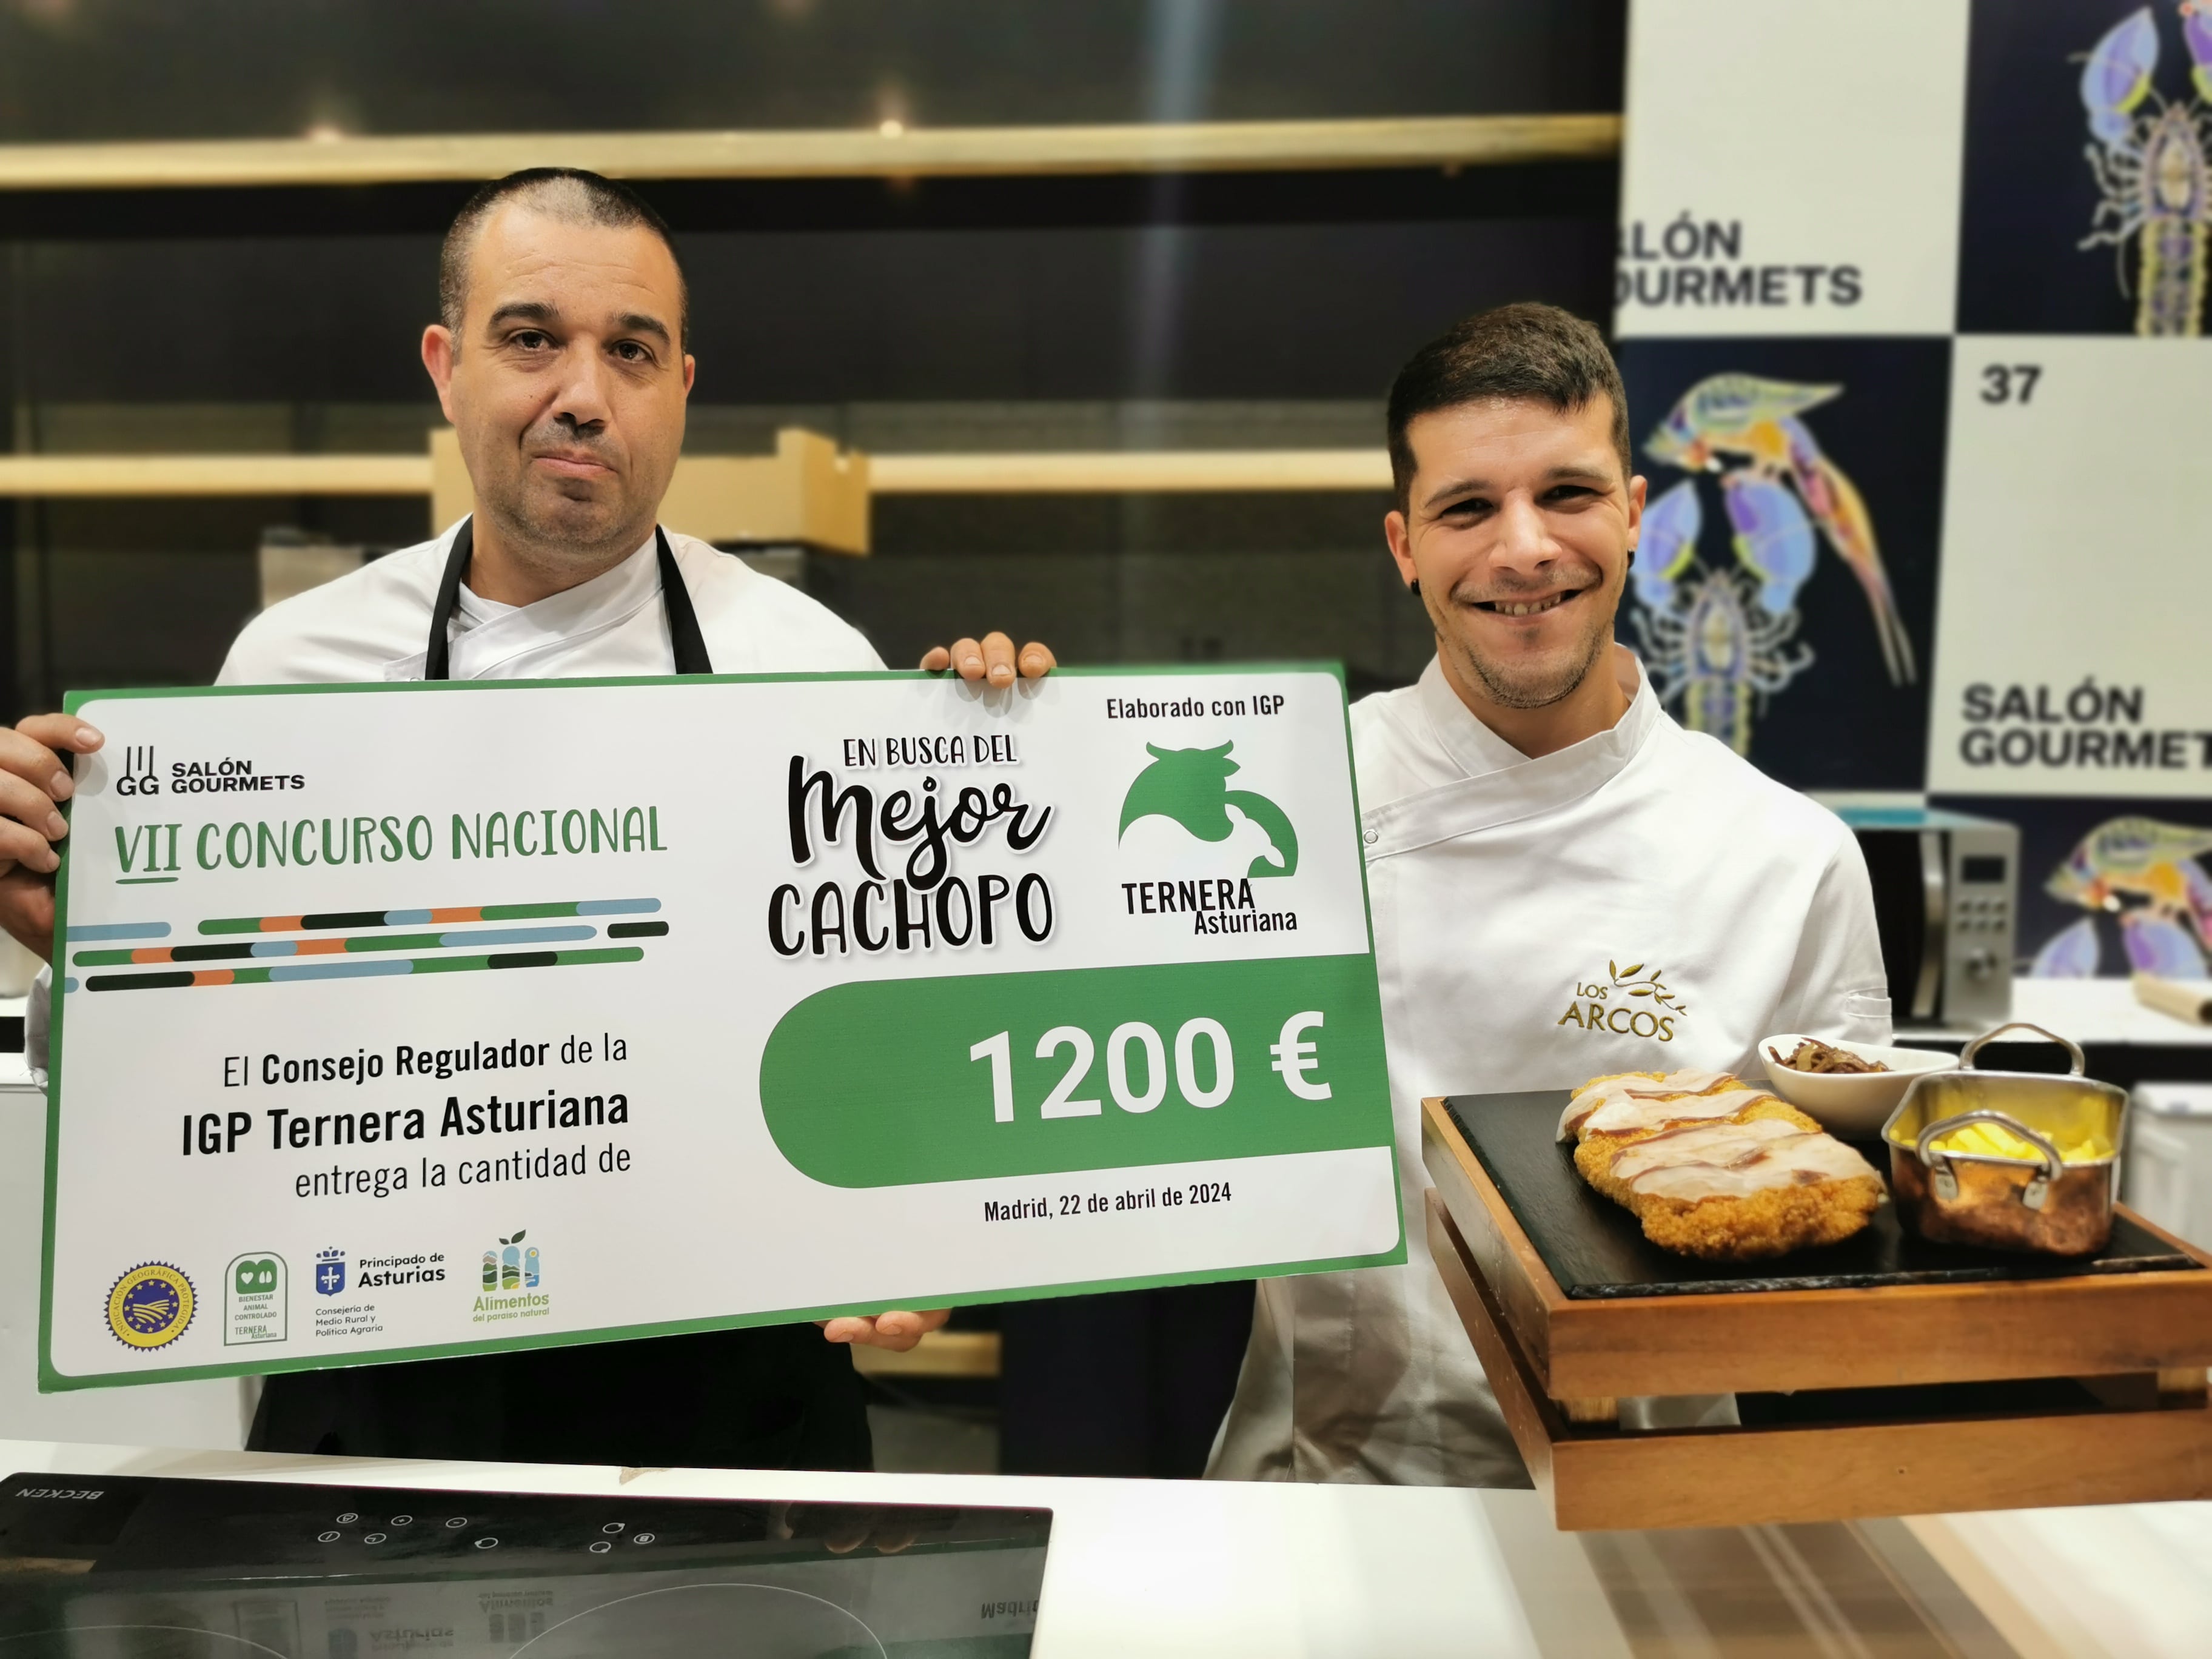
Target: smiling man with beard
{"x":1563,"y":881}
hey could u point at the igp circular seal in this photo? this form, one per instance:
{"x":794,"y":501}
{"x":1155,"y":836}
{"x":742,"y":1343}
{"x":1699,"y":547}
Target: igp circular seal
{"x":150,"y":1306}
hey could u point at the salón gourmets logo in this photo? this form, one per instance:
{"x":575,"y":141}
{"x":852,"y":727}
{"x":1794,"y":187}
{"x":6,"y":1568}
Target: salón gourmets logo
{"x":137,"y":777}
{"x":1631,"y":1002}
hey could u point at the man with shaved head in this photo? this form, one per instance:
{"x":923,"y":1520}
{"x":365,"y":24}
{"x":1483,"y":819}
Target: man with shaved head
{"x":562,"y":357}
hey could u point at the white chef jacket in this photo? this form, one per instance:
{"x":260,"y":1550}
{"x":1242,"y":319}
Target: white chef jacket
{"x":373,"y":623}
{"x":1515,"y":903}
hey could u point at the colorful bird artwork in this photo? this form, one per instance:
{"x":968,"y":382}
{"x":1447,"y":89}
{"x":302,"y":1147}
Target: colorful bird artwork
{"x":1712,"y":648}
{"x":2156,"y":946}
{"x":1757,"y":426}
{"x":1773,"y":538}
{"x":1668,"y":545}
{"x":2146,"y":873}
{"x":2116,"y":77}
{"x":2073,"y":952}
{"x":2197,"y":34}
{"x":1719,"y":641}
{"x":2149,"y":157}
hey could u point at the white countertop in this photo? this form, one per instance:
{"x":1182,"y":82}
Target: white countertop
{"x":14,"y":1071}
{"x":2088,"y":1010}
{"x":1225,"y":1569}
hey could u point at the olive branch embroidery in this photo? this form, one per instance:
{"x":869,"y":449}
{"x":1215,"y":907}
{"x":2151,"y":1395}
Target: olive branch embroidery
{"x":1649,"y":985}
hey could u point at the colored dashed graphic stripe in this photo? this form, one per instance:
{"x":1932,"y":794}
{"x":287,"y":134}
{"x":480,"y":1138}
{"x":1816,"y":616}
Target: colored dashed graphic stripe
{"x":313,"y":923}
{"x":480,"y":938}
{"x":283,"y":972}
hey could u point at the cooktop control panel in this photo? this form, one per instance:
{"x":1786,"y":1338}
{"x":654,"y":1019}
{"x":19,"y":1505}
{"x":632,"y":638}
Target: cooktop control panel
{"x":127,"y":1565}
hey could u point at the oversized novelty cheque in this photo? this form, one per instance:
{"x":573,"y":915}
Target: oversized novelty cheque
{"x":397,"y":1021}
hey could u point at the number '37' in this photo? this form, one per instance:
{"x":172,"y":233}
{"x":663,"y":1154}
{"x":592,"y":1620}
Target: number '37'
{"x":2010,"y":383}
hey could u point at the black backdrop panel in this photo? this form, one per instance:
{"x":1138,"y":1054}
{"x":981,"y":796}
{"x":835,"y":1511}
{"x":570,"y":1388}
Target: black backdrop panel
{"x":1233,"y":312}
{"x":175,"y":69}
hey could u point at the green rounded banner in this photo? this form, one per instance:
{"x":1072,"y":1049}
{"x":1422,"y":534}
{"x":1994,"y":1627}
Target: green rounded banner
{"x":886,"y":1082}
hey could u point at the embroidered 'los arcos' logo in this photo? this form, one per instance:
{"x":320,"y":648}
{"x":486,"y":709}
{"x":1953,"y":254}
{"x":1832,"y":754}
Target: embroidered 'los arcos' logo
{"x":1631,"y":1002}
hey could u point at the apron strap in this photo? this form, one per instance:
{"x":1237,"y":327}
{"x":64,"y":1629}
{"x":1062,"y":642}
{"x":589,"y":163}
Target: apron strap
{"x":684,"y":633}
{"x":437,"y":660}
{"x":683,"y":636}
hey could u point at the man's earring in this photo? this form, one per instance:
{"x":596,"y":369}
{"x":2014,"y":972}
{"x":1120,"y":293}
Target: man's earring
{"x":1414,"y":588}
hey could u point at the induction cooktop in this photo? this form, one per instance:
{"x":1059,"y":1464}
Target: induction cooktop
{"x":108,"y":1567}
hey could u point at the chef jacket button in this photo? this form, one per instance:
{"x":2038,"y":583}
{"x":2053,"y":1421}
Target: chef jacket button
{"x":1372,"y":837}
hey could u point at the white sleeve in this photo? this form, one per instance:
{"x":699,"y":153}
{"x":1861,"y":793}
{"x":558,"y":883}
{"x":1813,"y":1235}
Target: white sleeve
{"x":1839,"y":952}
{"x":863,"y":656}
{"x":37,"y":1015}
{"x":755,"y":625}
{"x":260,"y":655}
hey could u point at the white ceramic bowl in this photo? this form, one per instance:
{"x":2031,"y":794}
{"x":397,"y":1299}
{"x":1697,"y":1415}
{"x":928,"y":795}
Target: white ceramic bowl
{"x":1851,"y":1103}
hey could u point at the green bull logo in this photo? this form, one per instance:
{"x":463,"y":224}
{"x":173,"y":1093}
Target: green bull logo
{"x":1191,"y":786}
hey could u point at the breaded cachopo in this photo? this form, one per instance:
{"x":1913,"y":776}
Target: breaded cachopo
{"x":1715,"y":1169}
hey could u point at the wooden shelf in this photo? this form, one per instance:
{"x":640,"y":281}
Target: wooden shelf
{"x":1101,"y":472}
{"x":805,"y":493}
{"x":214,"y":475}
{"x":1130,"y":471}
{"x":922,"y":152}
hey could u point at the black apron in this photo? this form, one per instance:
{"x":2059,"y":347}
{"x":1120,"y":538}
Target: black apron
{"x":774,"y":1397}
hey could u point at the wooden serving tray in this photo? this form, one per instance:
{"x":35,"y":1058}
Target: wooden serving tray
{"x":1903,"y":1399}
{"x":1594,"y":1248}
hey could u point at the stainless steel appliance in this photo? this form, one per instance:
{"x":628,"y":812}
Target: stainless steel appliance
{"x":1945,"y":895}
{"x":131,"y":1567}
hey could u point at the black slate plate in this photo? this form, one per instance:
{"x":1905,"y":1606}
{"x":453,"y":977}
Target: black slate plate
{"x":1596,"y":1248}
